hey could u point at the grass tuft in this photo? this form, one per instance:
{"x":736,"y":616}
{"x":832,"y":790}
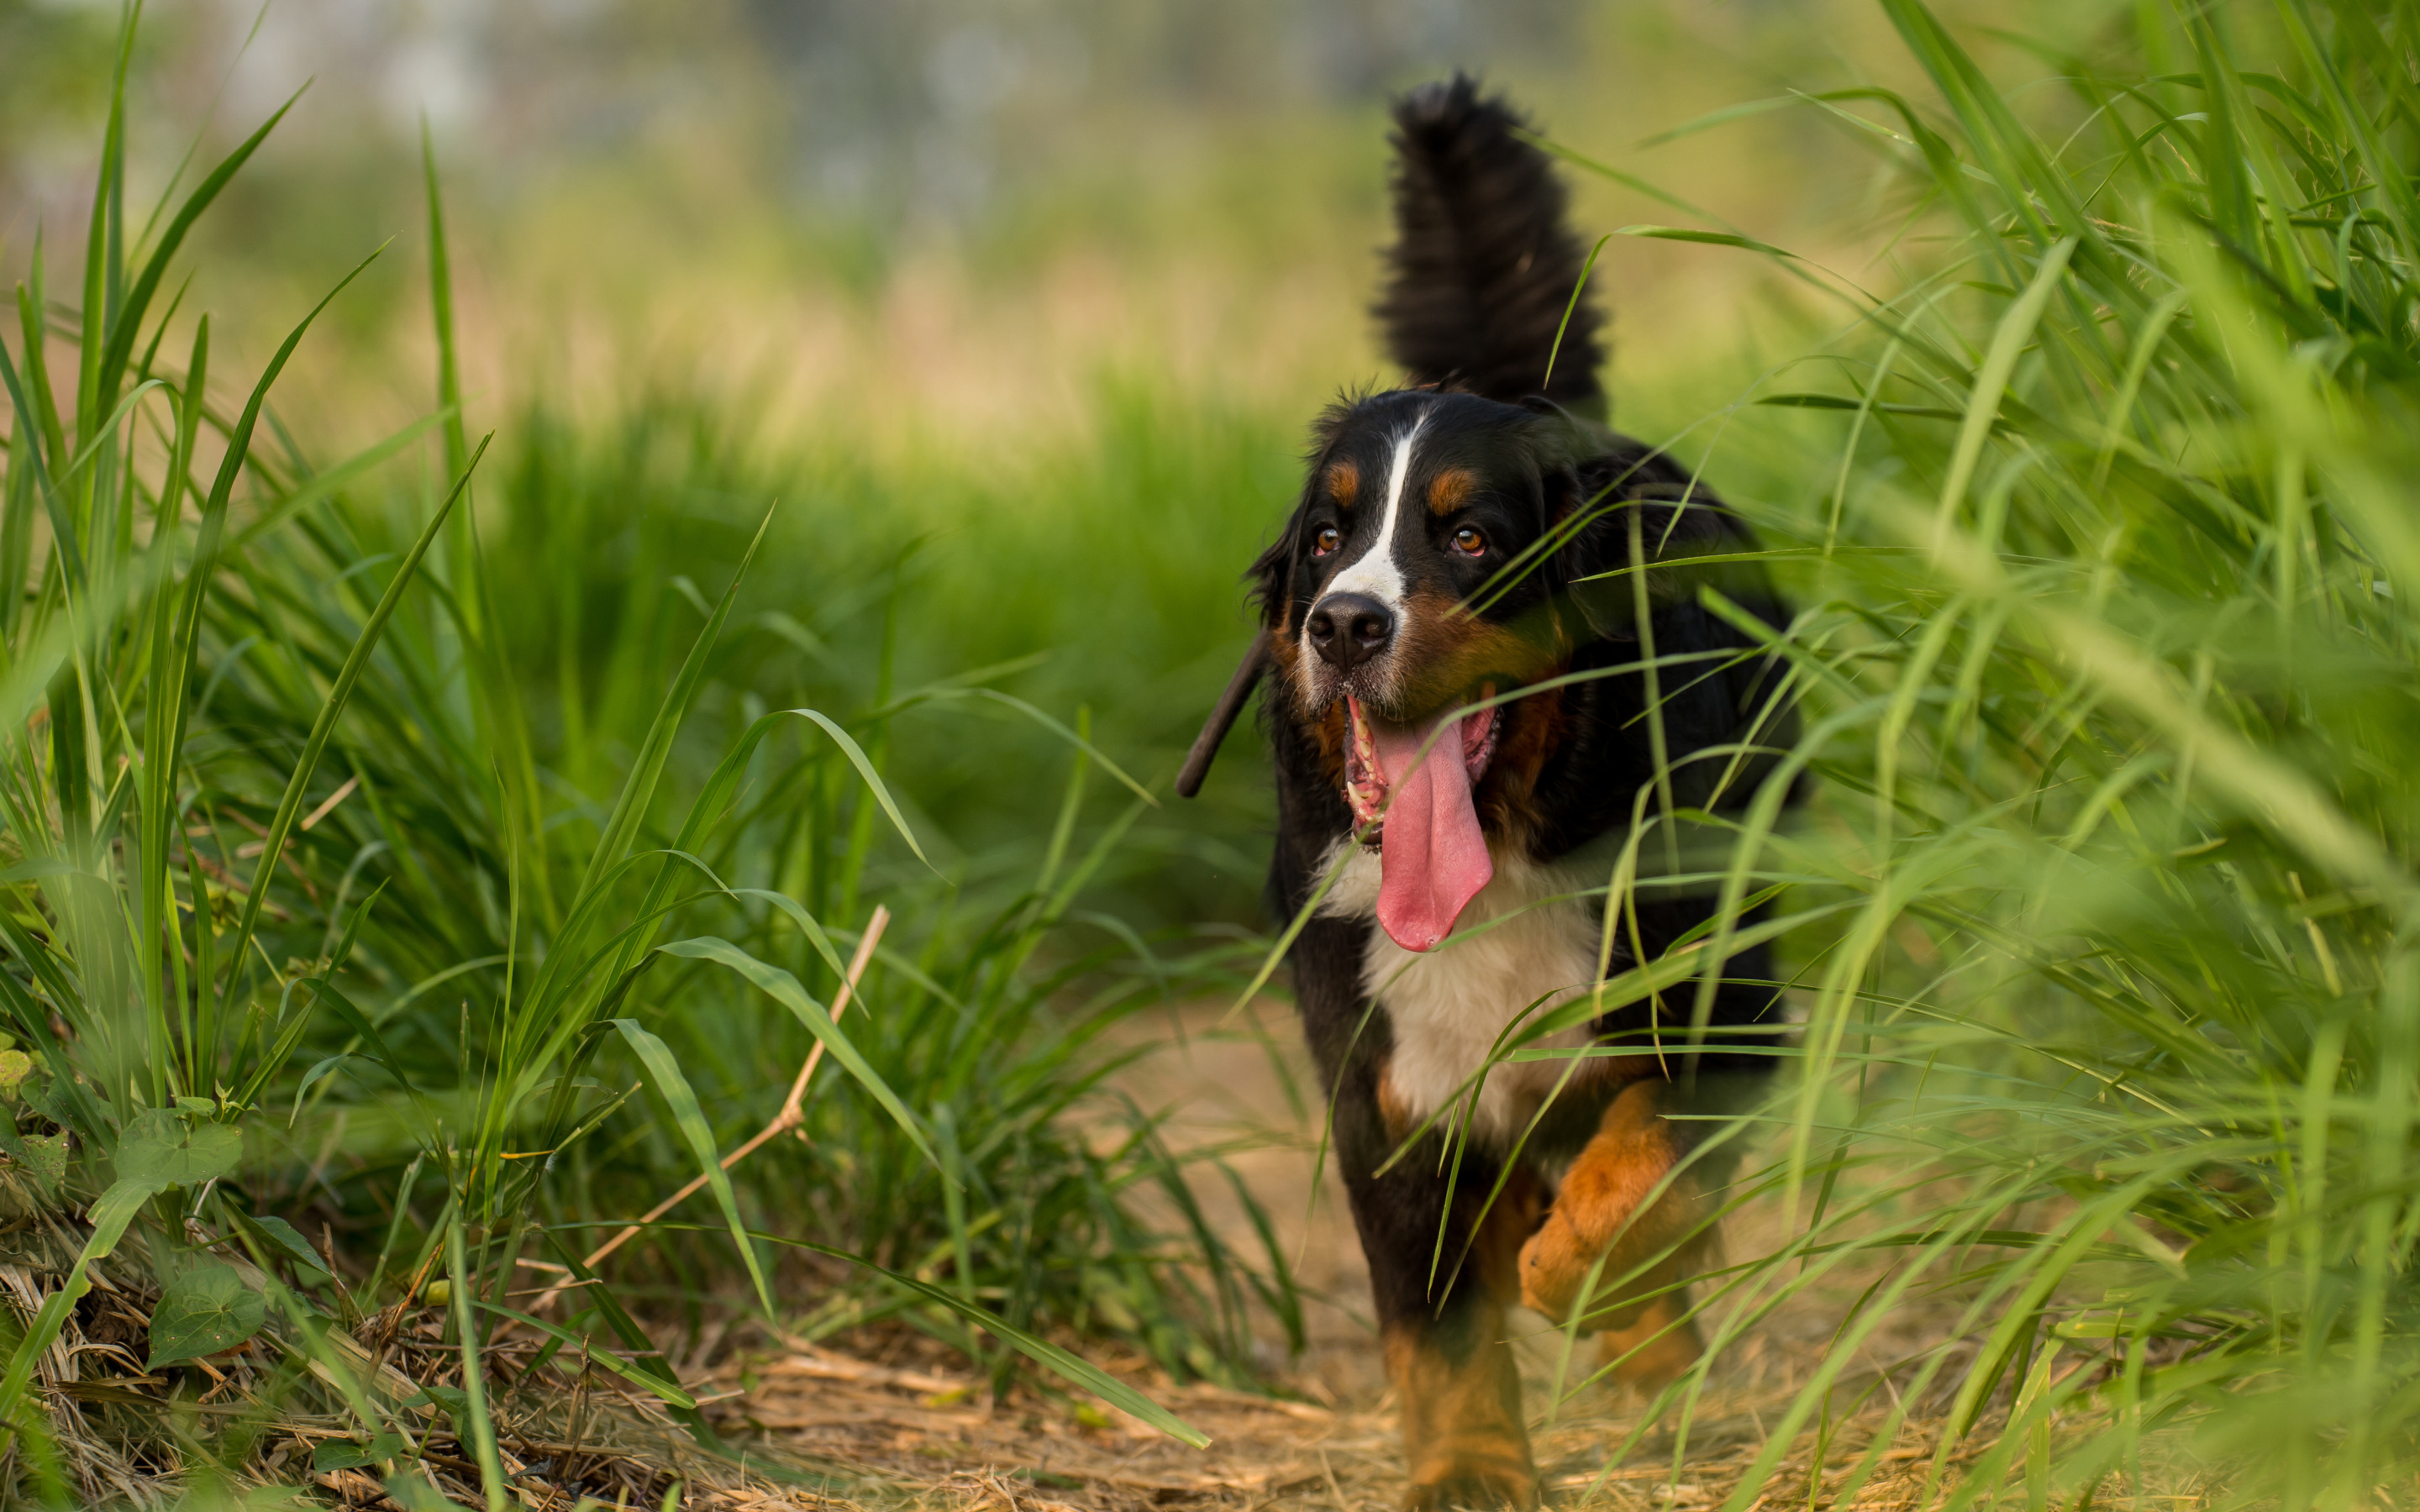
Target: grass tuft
{"x":343,"y":997}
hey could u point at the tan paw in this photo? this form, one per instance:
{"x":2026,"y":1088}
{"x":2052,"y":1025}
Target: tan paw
{"x":1488,"y":1483}
{"x":1554,"y":1267}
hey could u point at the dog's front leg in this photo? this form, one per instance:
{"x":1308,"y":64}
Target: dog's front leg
{"x":1609,"y":1208}
{"x":1441,"y":1307}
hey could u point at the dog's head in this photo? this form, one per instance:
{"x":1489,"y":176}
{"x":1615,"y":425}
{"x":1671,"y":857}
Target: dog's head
{"x":1420,"y":575}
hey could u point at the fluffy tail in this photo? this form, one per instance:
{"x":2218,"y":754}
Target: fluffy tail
{"x":1483,"y":265}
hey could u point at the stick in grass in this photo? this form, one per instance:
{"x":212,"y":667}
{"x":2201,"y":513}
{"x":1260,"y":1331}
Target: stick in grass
{"x":793,"y":1107}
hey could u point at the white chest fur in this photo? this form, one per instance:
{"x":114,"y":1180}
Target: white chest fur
{"x":1450,"y":1007}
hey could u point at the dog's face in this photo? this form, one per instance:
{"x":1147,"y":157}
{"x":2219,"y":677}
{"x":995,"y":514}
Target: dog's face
{"x":1410,"y":581}
{"x":1397,"y":590}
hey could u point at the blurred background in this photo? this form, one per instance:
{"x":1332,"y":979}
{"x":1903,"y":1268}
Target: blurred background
{"x":1033,"y":300}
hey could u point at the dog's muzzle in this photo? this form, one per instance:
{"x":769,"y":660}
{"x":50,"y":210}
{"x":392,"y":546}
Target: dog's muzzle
{"x":1348,"y":630}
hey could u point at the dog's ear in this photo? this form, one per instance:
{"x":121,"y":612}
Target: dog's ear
{"x":1633,"y":513}
{"x":1585,"y":513}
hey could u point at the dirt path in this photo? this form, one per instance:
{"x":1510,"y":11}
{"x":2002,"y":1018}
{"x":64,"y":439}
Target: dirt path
{"x":899,"y":1434}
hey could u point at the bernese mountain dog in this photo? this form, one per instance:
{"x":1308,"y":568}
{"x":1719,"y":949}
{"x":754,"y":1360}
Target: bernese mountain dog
{"x":1496,"y":647}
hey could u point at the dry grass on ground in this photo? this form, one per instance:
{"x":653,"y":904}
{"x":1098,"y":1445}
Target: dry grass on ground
{"x":900,"y":1426}
{"x":902,"y":1443}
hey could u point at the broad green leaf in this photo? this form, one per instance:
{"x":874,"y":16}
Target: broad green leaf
{"x":451,"y":1400}
{"x":46,"y":1158}
{"x":288,"y":1239}
{"x":410,"y":1491}
{"x":344,"y":1454}
{"x":162,"y":1150}
{"x":206,"y":1309}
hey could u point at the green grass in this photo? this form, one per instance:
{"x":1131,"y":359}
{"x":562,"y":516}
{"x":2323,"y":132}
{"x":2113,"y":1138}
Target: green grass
{"x":2090,"y":488}
{"x":941,"y":565}
{"x":316,"y":910}
{"x":2098,"y":514}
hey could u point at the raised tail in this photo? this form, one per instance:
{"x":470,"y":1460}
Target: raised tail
{"x":1484,"y":265}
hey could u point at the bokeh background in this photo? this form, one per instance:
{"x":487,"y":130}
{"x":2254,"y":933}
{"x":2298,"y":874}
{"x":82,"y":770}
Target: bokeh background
{"x":1024,"y":307}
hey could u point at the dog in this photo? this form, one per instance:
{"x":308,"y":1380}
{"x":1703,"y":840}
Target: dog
{"x":1479,"y":594}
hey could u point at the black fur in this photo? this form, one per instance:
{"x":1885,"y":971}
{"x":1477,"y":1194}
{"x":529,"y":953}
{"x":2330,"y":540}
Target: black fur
{"x":1483,"y":265}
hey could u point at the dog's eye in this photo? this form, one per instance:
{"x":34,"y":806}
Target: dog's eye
{"x":1328,"y":540}
{"x":1469,"y":542}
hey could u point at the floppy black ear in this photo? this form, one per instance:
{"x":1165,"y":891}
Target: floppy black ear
{"x":1677,"y":519}
{"x":1584,"y":511}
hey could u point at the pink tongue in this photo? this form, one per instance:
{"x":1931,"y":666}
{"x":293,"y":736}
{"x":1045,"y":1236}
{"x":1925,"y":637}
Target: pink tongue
{"x":1433,"y":859}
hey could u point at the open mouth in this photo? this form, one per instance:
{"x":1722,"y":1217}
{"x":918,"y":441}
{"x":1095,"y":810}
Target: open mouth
{"x":1432,"y":858}
{"x":1366,"y":781}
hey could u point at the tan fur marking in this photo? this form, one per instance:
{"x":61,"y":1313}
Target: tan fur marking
{"x":1392,"y":1111}
{"x":1450,"y":489}
{"x":1597,"y":1211}
{"x":1331,"y":730}
{"x":1446,"y":651}
{"x":1461,"y":1420}
{"x":1345,"y":484}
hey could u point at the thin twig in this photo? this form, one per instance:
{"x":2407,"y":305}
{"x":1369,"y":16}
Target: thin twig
{"x":334,"y":798}
{"x":793,"y":1107}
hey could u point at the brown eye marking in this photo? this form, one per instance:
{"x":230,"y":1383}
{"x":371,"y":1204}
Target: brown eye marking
{"x":1326,"y":541}
{"x":1469,"y":542}
{"x":1345,"y":484}
{"x":1449,"y":489}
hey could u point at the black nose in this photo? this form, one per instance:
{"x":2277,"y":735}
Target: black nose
{"x":1348,"y":630}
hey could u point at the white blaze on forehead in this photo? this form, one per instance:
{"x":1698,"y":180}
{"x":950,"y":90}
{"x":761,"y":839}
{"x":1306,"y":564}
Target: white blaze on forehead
{"x":1376,"y":572}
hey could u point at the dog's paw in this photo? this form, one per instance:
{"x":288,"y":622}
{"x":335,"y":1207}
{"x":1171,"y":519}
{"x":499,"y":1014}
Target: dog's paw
{"x":1474,"y":1483}
{"x":1554,"y":1267}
